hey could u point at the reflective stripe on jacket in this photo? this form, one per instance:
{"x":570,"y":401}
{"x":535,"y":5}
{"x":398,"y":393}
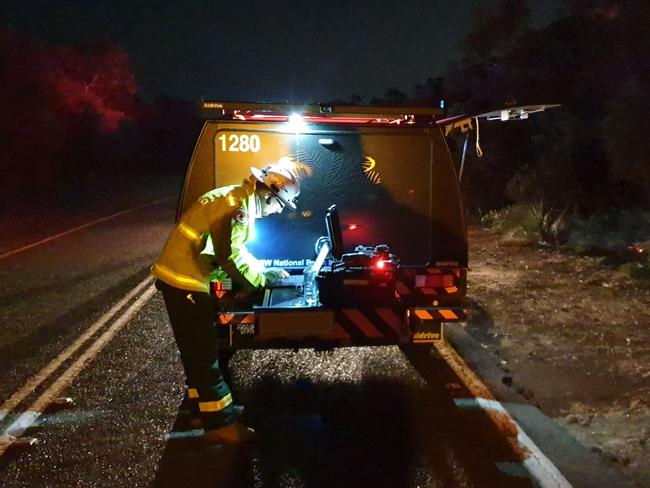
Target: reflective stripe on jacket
{"x":209,"y":242}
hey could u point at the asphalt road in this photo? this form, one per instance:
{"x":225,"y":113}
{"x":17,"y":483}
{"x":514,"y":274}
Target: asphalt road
{"x":348,"y":417}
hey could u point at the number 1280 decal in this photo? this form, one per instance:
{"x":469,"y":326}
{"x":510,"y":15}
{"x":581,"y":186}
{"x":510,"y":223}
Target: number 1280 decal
{"x":239,"y":143}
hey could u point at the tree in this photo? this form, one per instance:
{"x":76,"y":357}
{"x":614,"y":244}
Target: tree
{"x":96,"y":79}
{"x":625,"y":130}
{"x":493,"y":31}
{"x":582,"y":60}
{"x":166,"y":132}
{"x":392,"y":97}
{"x":548,"y":173}
{"x":32,"y":132}
{"x":430,"y":92}
{"x":61,"y":114}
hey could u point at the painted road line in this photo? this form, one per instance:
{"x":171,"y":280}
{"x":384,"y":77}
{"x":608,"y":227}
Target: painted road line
{"x":541,"y":468}
{"x":536,"y":463}
{"x":81,"y":227}
{"x":33,"y":383}
{"x":185,"y":434}
{"x":475,"y":386}
{"x":26,"y":420}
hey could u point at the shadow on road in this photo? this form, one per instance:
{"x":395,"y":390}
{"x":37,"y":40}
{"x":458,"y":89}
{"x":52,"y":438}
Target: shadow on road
{"x":377,"y":433}
{"x":307,"y":435}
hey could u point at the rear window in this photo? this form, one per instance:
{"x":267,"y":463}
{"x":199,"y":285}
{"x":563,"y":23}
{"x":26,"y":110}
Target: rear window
{"x":392,"y":186}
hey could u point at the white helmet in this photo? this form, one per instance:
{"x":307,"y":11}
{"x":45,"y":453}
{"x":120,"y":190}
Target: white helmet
{"x":281,"y":181}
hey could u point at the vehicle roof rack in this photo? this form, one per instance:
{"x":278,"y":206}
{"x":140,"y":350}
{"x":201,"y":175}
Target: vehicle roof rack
{"x":225,"y":109}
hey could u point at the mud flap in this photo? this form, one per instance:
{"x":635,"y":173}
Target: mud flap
{"x":427,"y":324}
{"x":425,"y":328}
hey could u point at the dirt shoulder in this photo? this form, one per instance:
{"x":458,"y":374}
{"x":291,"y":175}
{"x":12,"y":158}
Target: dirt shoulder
{"x":573,"y":336}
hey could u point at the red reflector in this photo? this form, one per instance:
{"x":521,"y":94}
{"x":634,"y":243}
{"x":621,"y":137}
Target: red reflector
{"x":434,"y":280}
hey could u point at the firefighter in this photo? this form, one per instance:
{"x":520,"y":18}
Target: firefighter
{"x":204,"y":263}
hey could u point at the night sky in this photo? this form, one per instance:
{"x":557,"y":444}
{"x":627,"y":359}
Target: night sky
{"x":257,"y":50}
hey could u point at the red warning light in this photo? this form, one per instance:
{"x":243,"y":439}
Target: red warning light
{"x":352,"y":227}
{"x":381,"y":264}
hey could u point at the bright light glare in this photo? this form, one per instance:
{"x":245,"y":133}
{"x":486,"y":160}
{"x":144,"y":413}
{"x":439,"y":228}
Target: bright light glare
{"x":296,"y":123}
{"x":381,"y":264}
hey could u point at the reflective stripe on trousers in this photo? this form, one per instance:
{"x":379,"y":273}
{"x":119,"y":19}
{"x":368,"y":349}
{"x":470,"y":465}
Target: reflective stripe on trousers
{"x":215,"y":406}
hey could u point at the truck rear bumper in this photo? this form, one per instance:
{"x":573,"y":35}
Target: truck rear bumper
{"x":322,"y":327}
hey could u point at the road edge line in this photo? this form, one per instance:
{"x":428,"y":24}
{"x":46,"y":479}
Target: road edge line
{"x":81,"y":227}
{"x":23,"y":392}
{"x":540,"y":467}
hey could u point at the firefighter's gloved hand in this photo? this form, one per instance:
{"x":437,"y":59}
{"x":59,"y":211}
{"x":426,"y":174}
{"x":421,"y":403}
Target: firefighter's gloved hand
{"x":274,"y":275}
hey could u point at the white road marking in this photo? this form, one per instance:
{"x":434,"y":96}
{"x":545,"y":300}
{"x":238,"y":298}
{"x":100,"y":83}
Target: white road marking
{"x":25,"y":420}
{"x":81,"y":227}
{"x":33,"y":383}
{"x":542,"y":470}
{"x":537,"y":464}
{"x":186,"y":434}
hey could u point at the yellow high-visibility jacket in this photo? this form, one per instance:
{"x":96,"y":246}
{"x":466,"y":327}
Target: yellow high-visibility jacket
{"x":209,"y":242}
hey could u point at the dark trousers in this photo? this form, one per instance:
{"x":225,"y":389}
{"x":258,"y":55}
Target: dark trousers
{"x":192,"y":315}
